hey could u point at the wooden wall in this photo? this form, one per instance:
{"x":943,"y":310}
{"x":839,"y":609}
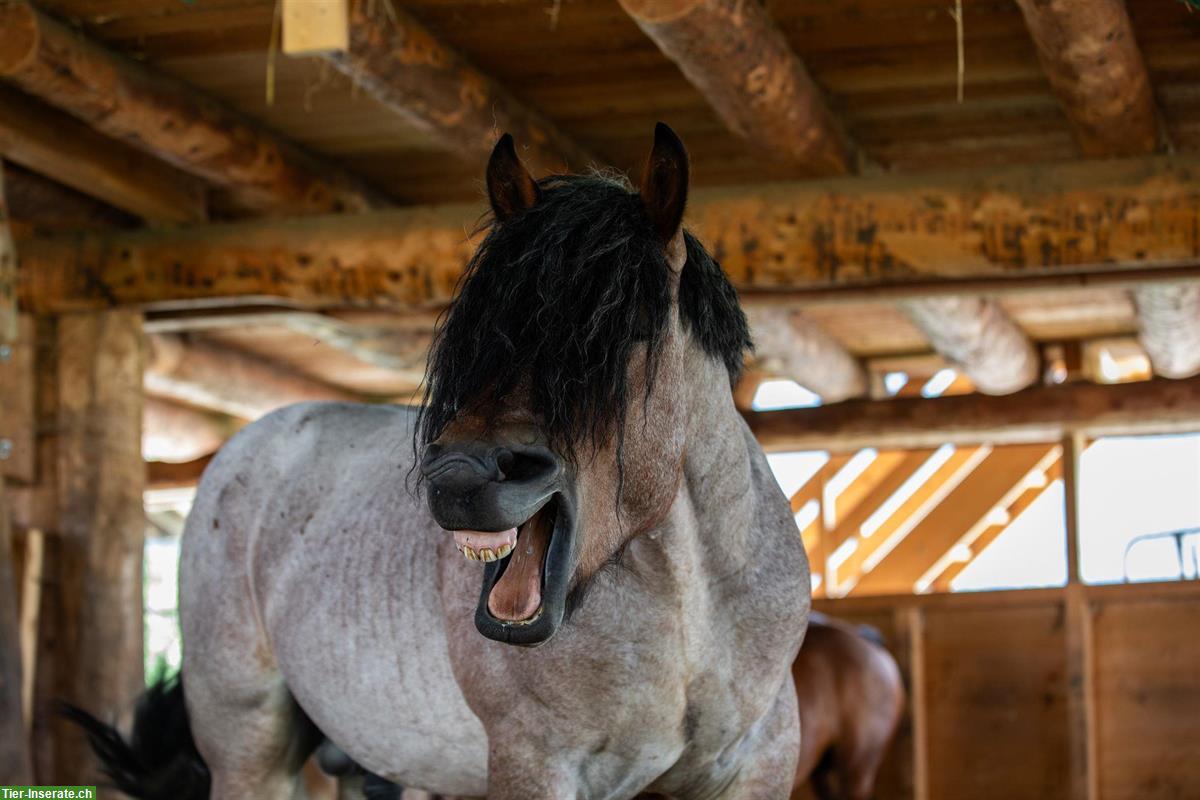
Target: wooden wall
{"x":991,"y":711}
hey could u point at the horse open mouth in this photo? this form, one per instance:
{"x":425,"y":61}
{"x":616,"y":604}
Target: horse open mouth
{"x":526,"y":574}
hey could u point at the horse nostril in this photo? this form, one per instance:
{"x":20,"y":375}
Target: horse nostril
{"x":530,"y":464}
{"x":504,"y":460}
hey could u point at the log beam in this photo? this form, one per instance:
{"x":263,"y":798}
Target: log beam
{"x":403,"y":65}
{"x":977,"y":335}
{"x":90,"y":636}
{"x":736,"y":56}
{"x":1120,"y":222}
{"x":1169,"y":327}
{"x":14,"y":744}
{"x":64,"y":149}
{"x":789,"y":344}
{"x":1036,"y":414}
{"x":168,"y":119}
{"x":1091,"y":58}
{"x":211,"y":376}
{"x":175,"y":433}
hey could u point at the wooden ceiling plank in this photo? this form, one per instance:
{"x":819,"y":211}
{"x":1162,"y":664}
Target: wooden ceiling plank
{"x":790,"y":344}
{"x":881,"y":237}
{"x":970,"y":502}
{"x":978,"y":336}
{"x":1091,"y":57}
{"x":165,"y":117}
{"x":736,"y":56}
{"x":1168,"y":318}
{"x":403,"y":65}
{"x":60,"y":147}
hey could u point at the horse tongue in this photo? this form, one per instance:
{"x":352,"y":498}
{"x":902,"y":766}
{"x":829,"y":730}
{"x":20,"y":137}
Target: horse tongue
{"x":517,"y":595}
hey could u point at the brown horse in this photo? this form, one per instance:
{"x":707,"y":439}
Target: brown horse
{"x":602,"y":596}
{"x":851,"y":700}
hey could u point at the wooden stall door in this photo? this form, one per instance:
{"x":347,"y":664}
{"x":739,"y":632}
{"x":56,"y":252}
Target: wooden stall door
{"x":995,"y":687}
{"x":1147,"y":696}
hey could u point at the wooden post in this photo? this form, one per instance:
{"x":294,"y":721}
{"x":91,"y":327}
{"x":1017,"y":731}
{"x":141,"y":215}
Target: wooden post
{"x":918,"y":702}
{"x":1081,"y":734}
{"x":90,"y":637}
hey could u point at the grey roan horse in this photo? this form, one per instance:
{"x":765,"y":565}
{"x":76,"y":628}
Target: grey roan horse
{"x":643,"y":590}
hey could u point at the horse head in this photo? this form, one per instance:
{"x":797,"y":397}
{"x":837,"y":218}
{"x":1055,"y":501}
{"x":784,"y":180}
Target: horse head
{"x":560,"y":381}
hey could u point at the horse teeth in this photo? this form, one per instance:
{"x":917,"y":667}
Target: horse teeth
{"x":487,"y":554}
{"x":504,"y":550}
{"x":470,"y":554}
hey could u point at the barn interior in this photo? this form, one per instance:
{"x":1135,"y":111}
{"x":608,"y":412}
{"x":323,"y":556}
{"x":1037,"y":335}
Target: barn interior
{"x":966,"y":235}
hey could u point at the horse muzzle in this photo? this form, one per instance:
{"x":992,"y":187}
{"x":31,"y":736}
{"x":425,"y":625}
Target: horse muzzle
{"x":481,"y":488}
{"x":513,"y":508}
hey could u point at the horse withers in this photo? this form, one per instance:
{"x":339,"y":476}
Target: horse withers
{"x":602,"y":595}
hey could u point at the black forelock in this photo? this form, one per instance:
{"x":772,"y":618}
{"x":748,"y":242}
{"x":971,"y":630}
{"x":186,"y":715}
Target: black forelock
{"x":556,"y":300}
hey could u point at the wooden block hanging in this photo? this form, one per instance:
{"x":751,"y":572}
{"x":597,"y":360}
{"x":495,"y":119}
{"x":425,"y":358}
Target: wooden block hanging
{"x":315,"y":26}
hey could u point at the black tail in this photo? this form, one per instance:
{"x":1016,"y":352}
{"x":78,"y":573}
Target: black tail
{"x":160,"y":760}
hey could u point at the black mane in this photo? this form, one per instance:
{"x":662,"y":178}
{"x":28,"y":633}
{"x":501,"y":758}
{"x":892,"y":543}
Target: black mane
{"x":554,"y":303}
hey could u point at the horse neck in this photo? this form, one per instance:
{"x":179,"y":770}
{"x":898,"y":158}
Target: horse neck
{"x":712,"y":523}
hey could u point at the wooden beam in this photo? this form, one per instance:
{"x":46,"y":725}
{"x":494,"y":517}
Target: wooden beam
{"x":185,"y":475}
{"x":1037,"y":414}
{"x":18,"y":459}
{"x":1123,"y":222}
{"x":403,"y":65}
{"x":62,"y":148}
{"x":167,"y":118}
{"x":876,"y":544}
{"x":943,"y":582}
{"x":1091,"y":58}
{"x":90,"y":637}
{"x":42,"y":207}
{"x":851,"y":523}
{"x":969,"y":503}
{"x":790,"y":344}
{"x":976,"y":335}
{"x":1169,"y":327}
{"x":219,"y":378}
{"x":736,"y":56}
{"x":172,"y":432}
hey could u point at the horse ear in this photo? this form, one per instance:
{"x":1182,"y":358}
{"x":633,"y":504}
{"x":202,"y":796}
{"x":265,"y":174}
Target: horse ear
{"x":511,"y":189}
{"x":665,"y":182}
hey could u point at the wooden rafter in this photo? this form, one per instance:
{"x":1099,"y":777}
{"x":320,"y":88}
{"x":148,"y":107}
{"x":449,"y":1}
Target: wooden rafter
{"x":174,"y":433}
{"x":978,"y":336}
{"x":736,"y":56}
{"x":168,"y":119}
{"x":1037,"y":414}
{"x":222,"y":379}
{"x":914,"y":508}
{"x":850,"y":523}
{"x":865,"y":236}
{"x":942,"y":582}
{"x":406,"y":67}
{"x":944,"y":525}
{"x":1092,"y":60}
{"x":789,"y":344}
{"x":61,"y":147}
{"x":1169,"y":327}
{"x":852,"y":497}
